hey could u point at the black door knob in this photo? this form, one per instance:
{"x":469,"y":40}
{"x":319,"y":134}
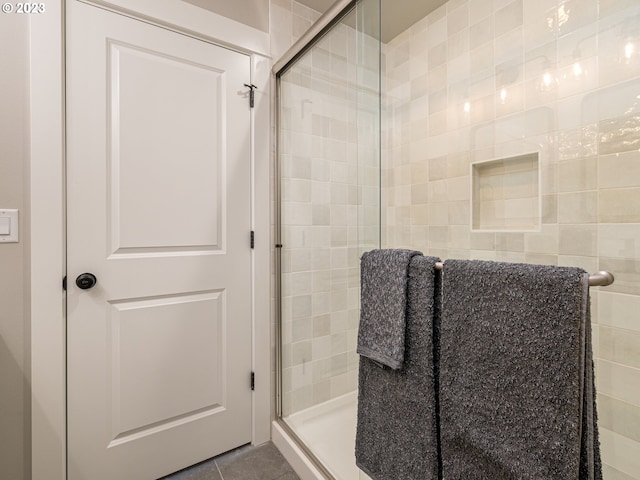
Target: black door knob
{"x":86,"y":281}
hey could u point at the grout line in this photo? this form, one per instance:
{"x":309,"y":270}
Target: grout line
{"x":219,"y":472}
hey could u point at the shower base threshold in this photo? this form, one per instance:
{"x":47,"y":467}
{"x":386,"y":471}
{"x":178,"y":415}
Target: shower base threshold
{"x":329,"y":431}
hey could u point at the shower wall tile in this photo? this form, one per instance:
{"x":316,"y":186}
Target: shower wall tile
{"x":483,"y":241}
{"x":619,"y":100}
{"x":589,"y":264}
{"x":459,"y":238}
{"x":301,"y":352}
{"x":620,"y":346}
{"x":610,"y":166}
{"x":437,"y":214}
{"x":619,"y":416}
{"x":579,"y":207}
{"x":619,"y":134}
{"x":578,"y":240}
{"x":573,"y":14}
{"x":437,"y":30}
{"x":420,"y":215}
{"x":619,"y":240}
{"x":321,"y":392}
{"x":513,"y":257}
{"x":618,"y":60}
{"x":459,"y":213}
{"x":578,"y":143}
{"x":621,"y":452}
{"x":578,"y":175}
{"x":619,"y":205}
{"x":540,"y":21}
{"x":541,"y":259}
{"x":581,"y":43}
{"x":627,"y":274}
{"x":619,"y":381}
{"x":452,"y":6}
{"x":577,"y":110}
{"x":482,"y":30}
{"x":480,"y":8}
{"x":549,"y":209}
{"x":611,"y":473}
{"x":508,"y":17}
{"x":510,"y":242}
{"x":458,"y":46}
{"x":617,"y":7}
{"x":577,"y":77}
{"x":301,"y":329}
{"x":544,"y":242}
{"x":321,"y":330}
{"x":457,"y":17}
{"x":488,"y":255}
{"x":301,"y":376}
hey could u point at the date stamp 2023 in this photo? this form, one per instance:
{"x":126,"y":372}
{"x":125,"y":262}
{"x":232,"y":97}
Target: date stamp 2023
{"x":24,"y":8}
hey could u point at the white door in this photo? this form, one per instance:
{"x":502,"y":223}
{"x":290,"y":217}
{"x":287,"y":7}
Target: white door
{"x":158,"y":182}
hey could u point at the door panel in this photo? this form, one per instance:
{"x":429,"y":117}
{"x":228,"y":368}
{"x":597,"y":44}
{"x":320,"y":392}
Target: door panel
{"x":165,"y":110}
{"x":165,"y":327}
{"x":158,"y":192}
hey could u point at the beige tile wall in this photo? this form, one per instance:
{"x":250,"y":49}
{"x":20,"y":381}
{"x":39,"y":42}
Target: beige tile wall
{"x":478,"y":80}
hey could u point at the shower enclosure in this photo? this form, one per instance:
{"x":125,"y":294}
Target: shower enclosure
{"x":501,"y":130}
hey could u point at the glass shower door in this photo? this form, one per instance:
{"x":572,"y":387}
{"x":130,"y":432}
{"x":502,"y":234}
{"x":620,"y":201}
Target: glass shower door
{"x":329,"y":175}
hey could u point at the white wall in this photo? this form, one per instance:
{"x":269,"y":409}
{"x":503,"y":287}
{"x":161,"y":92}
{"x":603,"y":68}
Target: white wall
{"x":254,"y":13}
{"x":14,"y":314}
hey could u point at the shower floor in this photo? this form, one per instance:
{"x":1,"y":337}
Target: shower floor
{"x":329,"y":431}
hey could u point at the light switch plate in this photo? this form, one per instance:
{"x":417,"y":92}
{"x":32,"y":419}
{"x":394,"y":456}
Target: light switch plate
{"x":12,"y":215}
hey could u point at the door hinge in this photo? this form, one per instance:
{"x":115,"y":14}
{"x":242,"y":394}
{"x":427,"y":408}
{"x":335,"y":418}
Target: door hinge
{"x":251,"y":88}
{"x":253,"y":381}
{"x":253,"y":239}
{"x":64,"y":283}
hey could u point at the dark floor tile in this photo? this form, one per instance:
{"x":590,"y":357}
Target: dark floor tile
{"x":234,"y":454}
{"x":263,"y":462}
{"x":289,"y":476}
{"x":207,"y":470}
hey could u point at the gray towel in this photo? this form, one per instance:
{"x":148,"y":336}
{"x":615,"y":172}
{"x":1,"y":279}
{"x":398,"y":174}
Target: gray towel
{"x":397,"y":435}
{"x":383,"y":303}
{"x":516,"y":384}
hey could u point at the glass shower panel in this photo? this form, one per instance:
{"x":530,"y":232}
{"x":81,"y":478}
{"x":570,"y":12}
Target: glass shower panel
{"x":329,"y":154}
{"x":367,"y":90}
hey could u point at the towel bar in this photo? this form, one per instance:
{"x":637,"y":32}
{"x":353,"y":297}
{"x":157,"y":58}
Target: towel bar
{"x":600,"y":279}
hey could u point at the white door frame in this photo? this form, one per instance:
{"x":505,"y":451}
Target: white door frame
{"x":47,"y":212}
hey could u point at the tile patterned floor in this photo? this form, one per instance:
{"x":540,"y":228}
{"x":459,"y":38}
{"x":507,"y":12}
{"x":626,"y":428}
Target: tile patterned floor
{"x":263,"y":462}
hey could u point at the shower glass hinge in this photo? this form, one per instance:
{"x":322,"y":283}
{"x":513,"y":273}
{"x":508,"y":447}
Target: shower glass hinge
{"x":251,"y":88}
{"x":253,"y":381}
{"x":253,"y":239}
{"x":64,"y":283}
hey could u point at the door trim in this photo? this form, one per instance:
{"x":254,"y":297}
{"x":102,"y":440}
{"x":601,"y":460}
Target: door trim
{"x":48,"y":242}
{"x":194,"y":21}
{"x":48,"y":377}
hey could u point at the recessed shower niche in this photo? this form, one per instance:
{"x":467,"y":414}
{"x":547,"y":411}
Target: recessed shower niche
{"x":505,"y":194}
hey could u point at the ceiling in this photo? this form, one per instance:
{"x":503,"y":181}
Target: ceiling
{"x":397,"y":15}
